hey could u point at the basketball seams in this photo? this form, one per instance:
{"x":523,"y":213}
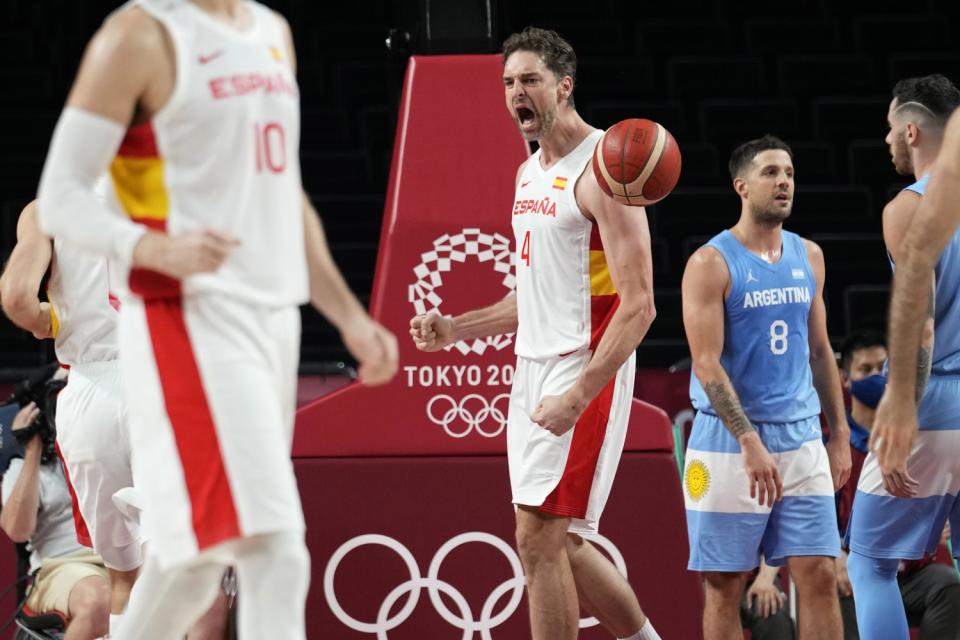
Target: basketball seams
{"x":652,"y":161}
{"x":607,"y":178}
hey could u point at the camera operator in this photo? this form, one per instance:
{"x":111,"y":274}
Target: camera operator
{"x":71,"y":581}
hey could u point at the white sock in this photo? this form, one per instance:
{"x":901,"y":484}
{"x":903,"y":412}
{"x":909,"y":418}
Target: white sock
{"x":115,"y":619}
{"x":647,"y":632}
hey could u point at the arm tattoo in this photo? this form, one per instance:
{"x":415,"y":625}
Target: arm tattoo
{"x":923,"y":371}
{"x":728,"y":408}
{"x":924,"y":355}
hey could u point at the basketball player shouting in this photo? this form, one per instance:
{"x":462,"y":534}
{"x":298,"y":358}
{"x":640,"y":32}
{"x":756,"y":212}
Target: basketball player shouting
{"x":910,"y":482}
{"x":584,"y":301}
{"x":757,"y":477}
{"x":193,"y":108}
{"x":92,"y":418}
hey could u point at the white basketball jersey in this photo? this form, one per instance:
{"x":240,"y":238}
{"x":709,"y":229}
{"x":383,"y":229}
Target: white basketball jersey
{"x":222,"y":154}
{"x":83,"y":312}
{"x":565,"y":295}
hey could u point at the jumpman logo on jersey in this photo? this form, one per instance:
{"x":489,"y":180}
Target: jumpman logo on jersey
{"x":751,"y":277}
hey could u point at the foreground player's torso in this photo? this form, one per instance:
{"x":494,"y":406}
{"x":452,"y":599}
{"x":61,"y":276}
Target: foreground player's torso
{"x":222,"y":153}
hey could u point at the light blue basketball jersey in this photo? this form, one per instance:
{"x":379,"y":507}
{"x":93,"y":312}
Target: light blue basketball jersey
{"x":766,"y":353}
{"x":883,"y":526}
{"x":946,"y":344}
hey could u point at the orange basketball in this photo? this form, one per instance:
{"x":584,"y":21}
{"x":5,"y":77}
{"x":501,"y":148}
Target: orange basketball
{"x":637,"y":162}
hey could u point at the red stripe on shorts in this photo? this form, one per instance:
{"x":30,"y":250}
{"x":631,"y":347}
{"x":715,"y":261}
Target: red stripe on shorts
{"x":83,"y":532}
{"x":211,"y":500}
{"x":572,"y":494}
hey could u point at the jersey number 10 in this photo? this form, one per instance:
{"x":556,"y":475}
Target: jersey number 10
{"x":270,"y":147}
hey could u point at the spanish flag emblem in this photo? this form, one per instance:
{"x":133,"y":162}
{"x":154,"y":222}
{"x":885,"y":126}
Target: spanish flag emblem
{"x":560,"y":183}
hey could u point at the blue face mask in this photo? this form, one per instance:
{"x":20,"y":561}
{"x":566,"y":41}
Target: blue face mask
{"x":869,"y":390}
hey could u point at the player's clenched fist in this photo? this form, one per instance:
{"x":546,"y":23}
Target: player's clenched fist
{"x":201,"y":251}
{"x":431,"y":331}
{"x":375,"y":350}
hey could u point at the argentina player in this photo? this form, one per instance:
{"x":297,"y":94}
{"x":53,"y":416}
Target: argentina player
{"x":900,"y":508}
{"x":758,"y":478}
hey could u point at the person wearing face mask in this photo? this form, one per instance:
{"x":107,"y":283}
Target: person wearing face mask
{"x":930,"y":591}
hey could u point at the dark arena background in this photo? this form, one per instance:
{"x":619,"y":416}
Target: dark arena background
{"x":409,"y":155}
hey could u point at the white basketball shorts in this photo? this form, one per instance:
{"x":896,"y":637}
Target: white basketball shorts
{"x":94,"y":443}
{"x":570,"y":475}
{"x":211,"y":382}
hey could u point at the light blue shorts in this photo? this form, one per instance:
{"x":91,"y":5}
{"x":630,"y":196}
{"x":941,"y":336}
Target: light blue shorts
{"x":726,"y":528}
{"x":882,"y":526}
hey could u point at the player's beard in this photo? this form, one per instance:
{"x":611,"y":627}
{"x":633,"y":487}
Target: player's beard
{"x":545,"y":121}
{"x":769,"y":214}
{"x":900,"y":151}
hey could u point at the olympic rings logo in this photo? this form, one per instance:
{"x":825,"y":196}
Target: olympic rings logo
{"x":473,"y":410}
{"x":412,"y":588}
{"x":448,"y":249}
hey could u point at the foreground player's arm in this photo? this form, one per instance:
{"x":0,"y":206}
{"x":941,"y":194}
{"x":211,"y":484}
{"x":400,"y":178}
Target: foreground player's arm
{"x":374,"y":348}
{"x":23,"y":275}
{"x":826,"y":378}
{"x":118,"y":75}
{"x":934,"y":223}
{"x":626,"y":243}
{"x":896,"y":220}
{"x":20,"y":506}
{"x":368,"y":341}
{"x":705,"y":283}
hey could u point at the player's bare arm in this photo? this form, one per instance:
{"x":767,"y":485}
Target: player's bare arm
{"x":896,"y":220}
{"x":826,"y":378}
{"x":126,"y":75}
{"x":626,"y":242}
{"x":433,"y":331}
{"x":934,"y":223}
{"x":368,"y":341}
{"x":23,"y":275}
{"x":706,"y":283}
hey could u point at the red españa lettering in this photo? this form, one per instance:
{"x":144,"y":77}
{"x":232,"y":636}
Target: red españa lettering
{"x":543,"y":207}
{"x":246,"y":83}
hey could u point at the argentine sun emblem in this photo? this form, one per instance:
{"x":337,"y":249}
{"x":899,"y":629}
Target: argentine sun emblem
{"x":697,"y":480}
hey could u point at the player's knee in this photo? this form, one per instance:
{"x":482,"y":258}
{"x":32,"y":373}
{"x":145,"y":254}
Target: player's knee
{"x":574,"y":545}
{"x":864,"y":570}
{"x":724,"y":586}
{"x":817,"y":577}
{"x":537,"y":545}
